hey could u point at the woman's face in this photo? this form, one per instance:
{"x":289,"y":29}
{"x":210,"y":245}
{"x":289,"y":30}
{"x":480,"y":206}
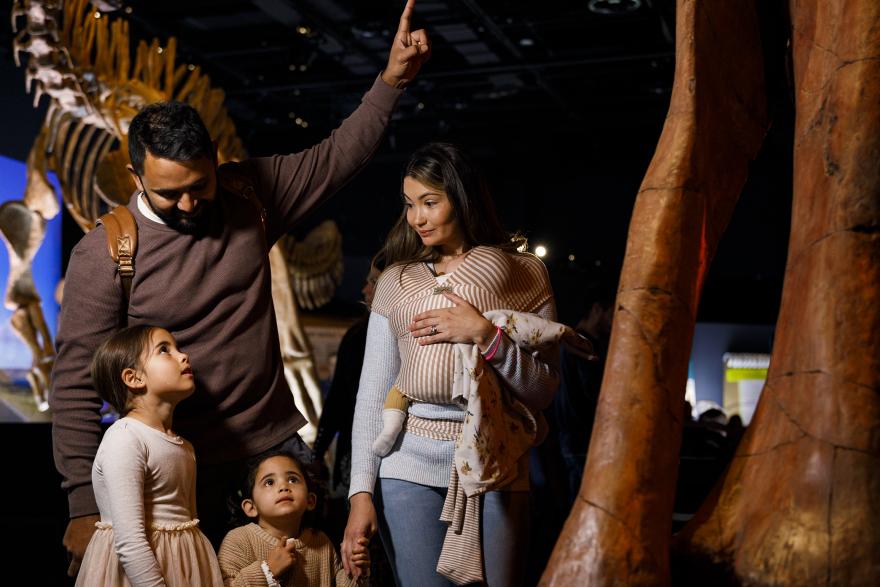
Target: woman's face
{"x":429,"y":212}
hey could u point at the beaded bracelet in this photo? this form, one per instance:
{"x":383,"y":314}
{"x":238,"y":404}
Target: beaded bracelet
{"x":493,"y":347}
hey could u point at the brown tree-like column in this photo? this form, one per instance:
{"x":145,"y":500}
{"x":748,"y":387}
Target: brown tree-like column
{"x":800,"y":504}
{"x":619,"y":530}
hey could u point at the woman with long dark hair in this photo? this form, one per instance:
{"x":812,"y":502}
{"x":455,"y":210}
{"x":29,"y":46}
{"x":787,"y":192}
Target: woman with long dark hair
{"x":449,"y":265}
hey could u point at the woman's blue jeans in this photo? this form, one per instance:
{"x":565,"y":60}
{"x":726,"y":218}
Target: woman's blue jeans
{"x":413,"y":534}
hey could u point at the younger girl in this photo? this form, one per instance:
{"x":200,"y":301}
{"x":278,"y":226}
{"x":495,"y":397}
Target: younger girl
{"x":144,"y":475}
{"x":275,"y":550}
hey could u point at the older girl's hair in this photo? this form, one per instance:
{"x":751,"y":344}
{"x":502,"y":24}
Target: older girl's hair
{"x":444,"y":166}
{"x":124,"y":350}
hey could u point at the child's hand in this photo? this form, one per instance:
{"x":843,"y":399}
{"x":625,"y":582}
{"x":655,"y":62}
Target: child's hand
{"x":360,"y":554}
{"x":282,"y":557}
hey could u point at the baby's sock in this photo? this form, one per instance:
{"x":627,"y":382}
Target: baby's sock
{"x":392,"y":421}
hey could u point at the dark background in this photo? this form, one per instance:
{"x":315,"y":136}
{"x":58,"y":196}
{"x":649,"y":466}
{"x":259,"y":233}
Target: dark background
{"x":560,"y":101}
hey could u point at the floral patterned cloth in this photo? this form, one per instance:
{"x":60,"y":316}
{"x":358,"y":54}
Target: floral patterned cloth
{"x":497,"y":431}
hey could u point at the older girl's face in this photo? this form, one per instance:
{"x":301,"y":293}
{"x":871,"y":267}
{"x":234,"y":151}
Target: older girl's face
{"x":429,"y":212}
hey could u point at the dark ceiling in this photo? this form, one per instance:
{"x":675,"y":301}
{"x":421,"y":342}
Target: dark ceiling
{"x":561,"y":101}
{"x":557,"y":65}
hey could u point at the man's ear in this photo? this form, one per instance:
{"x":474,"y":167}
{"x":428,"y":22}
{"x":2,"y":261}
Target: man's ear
{"x":132,"y":379}
{"x":249,"y":509}
{"x":312,"y":503}
{"x":135,"y":178}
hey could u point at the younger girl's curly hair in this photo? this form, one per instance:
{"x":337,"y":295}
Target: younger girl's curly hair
{"x":249,"y":478}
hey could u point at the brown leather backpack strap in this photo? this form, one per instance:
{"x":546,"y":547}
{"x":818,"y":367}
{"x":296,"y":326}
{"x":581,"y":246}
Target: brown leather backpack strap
{"x":121,"y":228}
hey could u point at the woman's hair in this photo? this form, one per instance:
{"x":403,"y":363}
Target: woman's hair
{"x":124,"y":350}
{"x":249,"y":478}
{"x":446,"y":167}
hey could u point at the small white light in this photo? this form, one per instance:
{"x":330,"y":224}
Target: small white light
{"x":191,"y":67}
{"x":303,"y":30}
{"x":97,"y":14}
{"x":541,"y":251}
{"x":302,"y":67}
{"x":420,"y":105}
{"x":305,"y":124}
{"x":160,"y":50}
{"x":298,"y":120}
{"x":571,"y":257}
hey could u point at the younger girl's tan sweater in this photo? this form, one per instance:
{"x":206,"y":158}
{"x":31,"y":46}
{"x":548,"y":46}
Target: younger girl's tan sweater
{"x":245,"y":548}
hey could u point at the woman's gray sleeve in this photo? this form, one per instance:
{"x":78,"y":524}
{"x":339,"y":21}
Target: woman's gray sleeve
{"x":532,"y":377}
{"x":381,"y":365}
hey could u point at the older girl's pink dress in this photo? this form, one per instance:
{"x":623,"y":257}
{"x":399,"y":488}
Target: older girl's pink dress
{"x":145,"y":486}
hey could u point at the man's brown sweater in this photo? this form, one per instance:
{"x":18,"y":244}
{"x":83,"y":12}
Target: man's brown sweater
{"x":213,"y":293}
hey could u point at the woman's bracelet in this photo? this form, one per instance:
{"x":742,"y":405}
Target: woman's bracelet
{"x":270,"y":578}
{"x":493,"y":346}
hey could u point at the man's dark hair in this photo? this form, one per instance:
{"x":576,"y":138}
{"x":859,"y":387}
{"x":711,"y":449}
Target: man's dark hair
{"x":170,"y":130}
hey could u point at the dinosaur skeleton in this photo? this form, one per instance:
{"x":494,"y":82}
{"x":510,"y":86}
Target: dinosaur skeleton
{"x":82,"y":61}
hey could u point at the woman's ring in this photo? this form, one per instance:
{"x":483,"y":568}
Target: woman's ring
{"x":433,"y":330}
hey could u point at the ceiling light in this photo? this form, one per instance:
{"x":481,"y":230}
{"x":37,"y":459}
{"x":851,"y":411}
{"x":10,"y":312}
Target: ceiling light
{"x":541,"y":251}
{"x":526,"y":42}
{"x":571,"y":257}
{"x":303,"y":30}
{"x":614,"y":7}
{"x":97,"y":14}
{"x":302,"y":67}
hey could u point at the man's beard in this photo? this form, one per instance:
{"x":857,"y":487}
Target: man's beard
{"x":181,"y":221}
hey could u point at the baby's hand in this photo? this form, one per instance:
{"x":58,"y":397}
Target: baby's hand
{"x":282,"y":557}
{"x":360,"y":554}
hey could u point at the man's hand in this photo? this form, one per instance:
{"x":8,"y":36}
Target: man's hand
{"x":76,"y":539}
{"x":408,"y":51}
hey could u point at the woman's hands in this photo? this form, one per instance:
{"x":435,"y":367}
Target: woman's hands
{"x":361,"y":526}
{"x":462,"y":323}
